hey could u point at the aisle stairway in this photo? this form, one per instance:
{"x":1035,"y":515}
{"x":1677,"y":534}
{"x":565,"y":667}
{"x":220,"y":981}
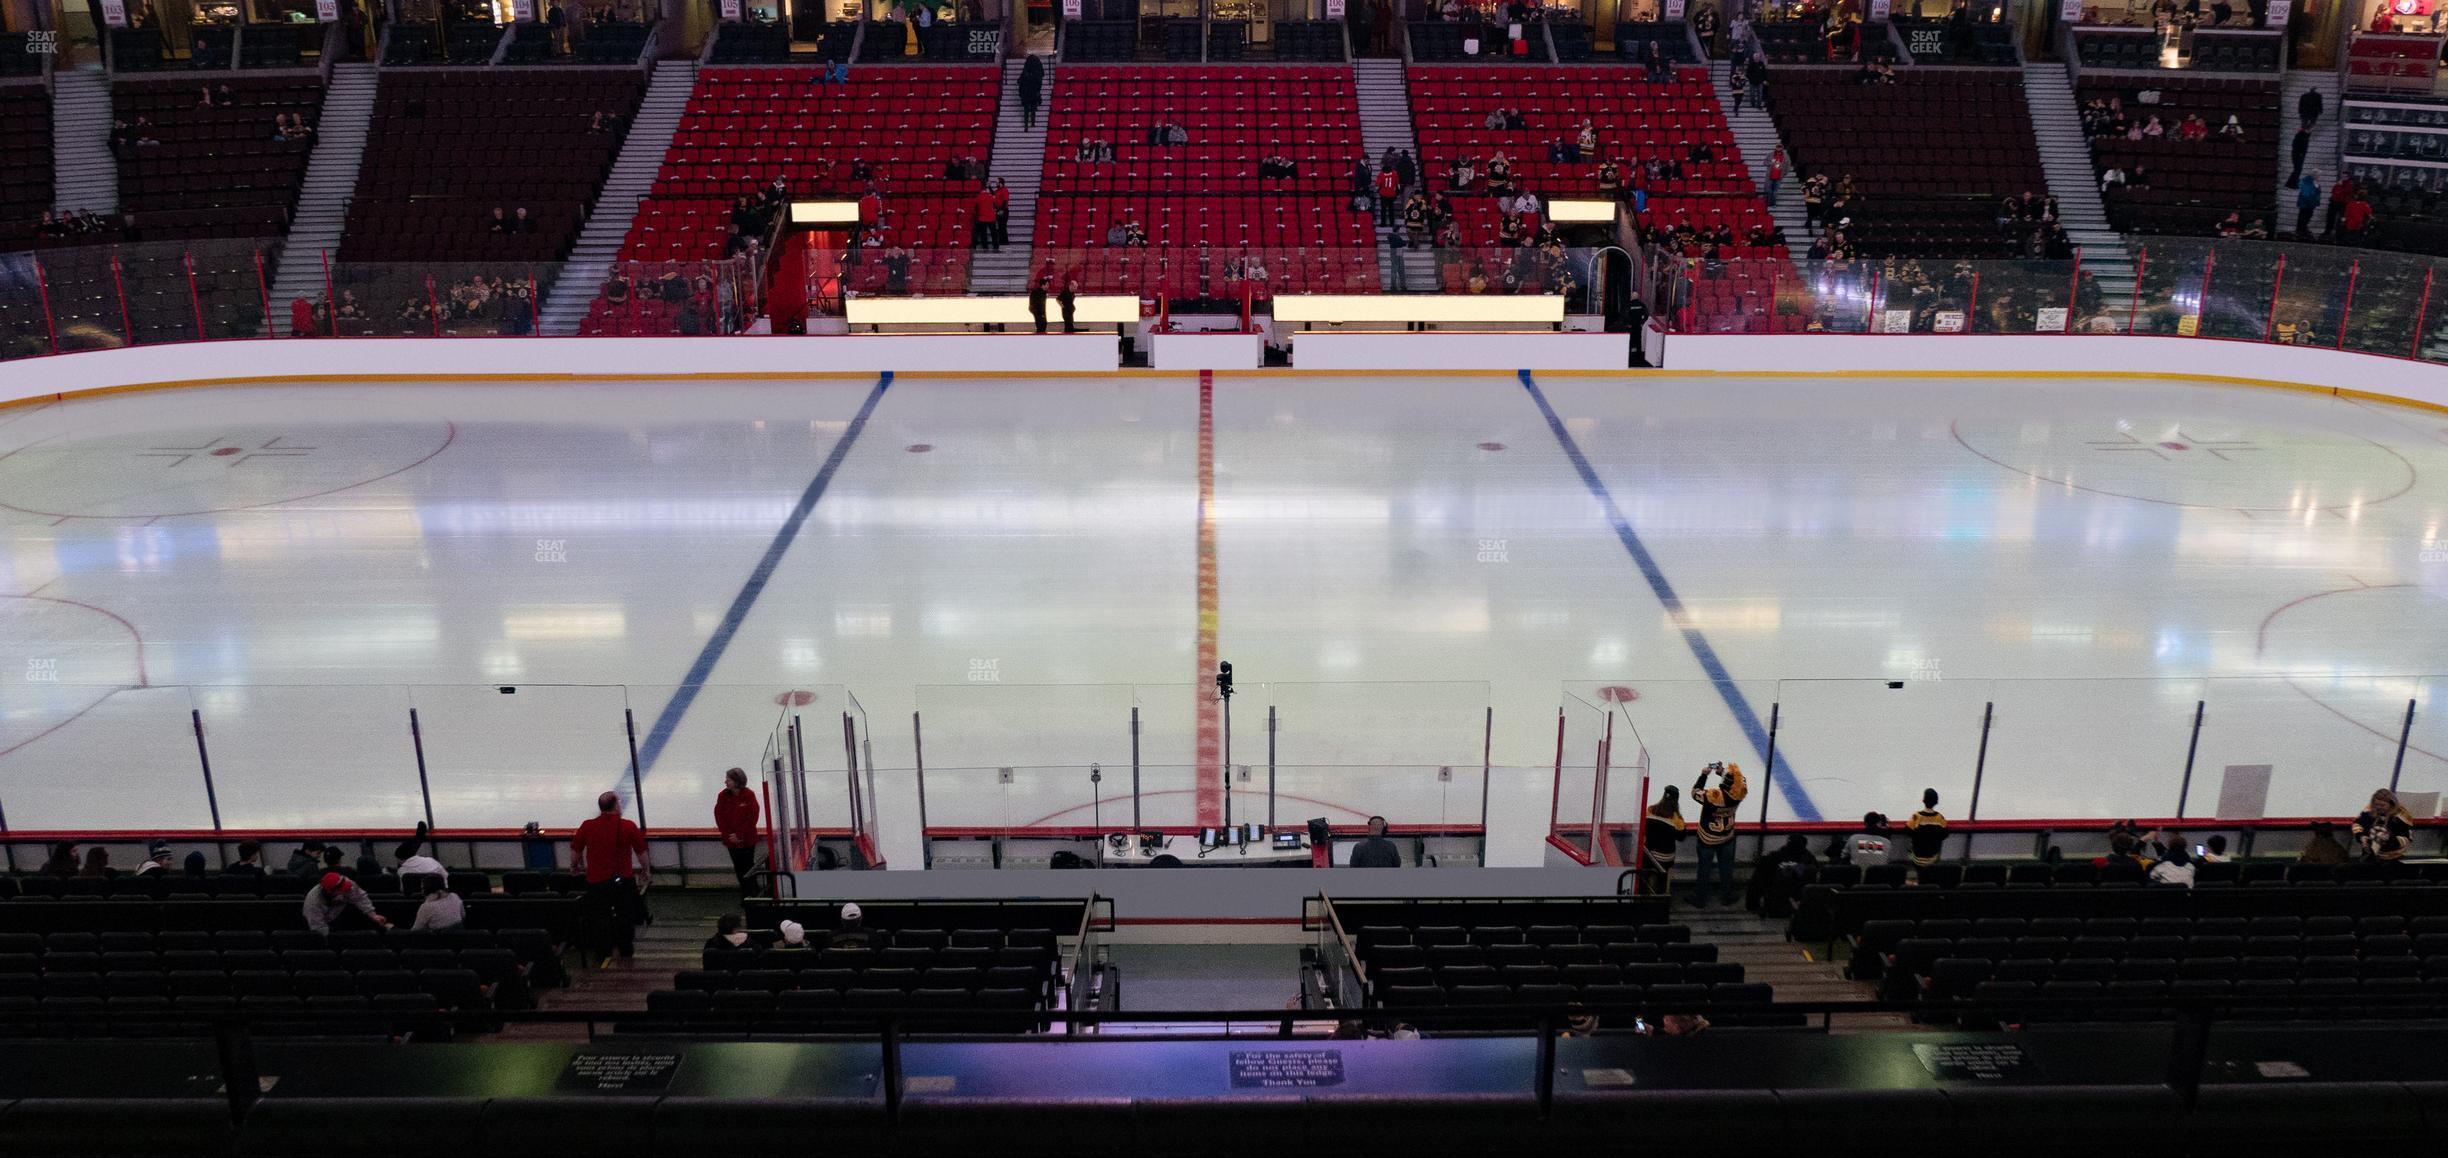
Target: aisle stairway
{"x":1019,"y":159}
{"x":2065,"y":156}
{"x":1795,"y":972}
{"x":331,"y":179}
{"x":1384,"y":94}
{"x":674,"y":941}
{"x":2322,"y":159}
{"x":87,"y":175}
{"x":1755,"y":133}
{"x":631,"y":179}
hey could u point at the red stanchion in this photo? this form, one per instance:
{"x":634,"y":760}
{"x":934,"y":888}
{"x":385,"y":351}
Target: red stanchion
{"x":433,"y":305}
{"x":773,"y":843}
{"x":2269,"y":325}
{"x":2201,"y":306}
{"x":42,"y":286}
{"x":535,"y":308}
{"x":2073,"y":290}
{"x":127,"y":325}
{"x":1870,"y":307}
{"x":2354,"y":270}
{"x":2421,"y":309}
{"x":330,"y":299}
{"x":263,"y":289}
{"x":1555,"y":795}
{"x":2141,"y":266}
{"x":193,"y":298}
{"x":1972,"y":305}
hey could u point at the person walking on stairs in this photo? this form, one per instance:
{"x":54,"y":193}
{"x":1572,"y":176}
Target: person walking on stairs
{"x":1032,"y":90}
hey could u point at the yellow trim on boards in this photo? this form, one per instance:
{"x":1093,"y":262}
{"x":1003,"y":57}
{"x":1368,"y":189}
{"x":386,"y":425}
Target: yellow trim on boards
{"x":1628,"y":374}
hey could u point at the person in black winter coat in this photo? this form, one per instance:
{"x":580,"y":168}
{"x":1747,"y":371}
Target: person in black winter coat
{"x":1032,"y":90}
{"x":2308,"y":107}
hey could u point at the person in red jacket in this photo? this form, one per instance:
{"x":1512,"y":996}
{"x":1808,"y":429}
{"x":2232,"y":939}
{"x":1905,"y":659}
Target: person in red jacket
{"x":604,"y":850}
{"x":1002,"y":203}
{"x":982,"y":219}
{"x":2356,"y":217}
{"x":735,"y":817}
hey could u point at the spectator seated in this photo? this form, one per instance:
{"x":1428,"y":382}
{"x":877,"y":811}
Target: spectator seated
{"x":219,"y":171}
{"x":446,"y":150}
{"x":118,"y":947}
{"x":2387,"y":945}
{"x":1932,"y":155}
{"x":1207,"y":189}
{"x":1635,"y":122}
{"x":746,"y":129}
{"x":1633,"y":38}
{"x":989,"y":969}
{"x":2192,"y":184}
{"x":149,"y":296}
{"x":210,"y":46}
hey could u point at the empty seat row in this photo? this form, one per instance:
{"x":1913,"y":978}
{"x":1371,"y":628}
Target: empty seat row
{"x":733,"y":960}
{"x":1601,"y":999}
{"x":1639,"y":973}
{"x":1435,"y":935}
{"x":1021,"y":977}
{"x":240,"y":885}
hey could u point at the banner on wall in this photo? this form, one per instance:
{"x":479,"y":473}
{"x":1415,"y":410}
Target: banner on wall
{"x":522,"y":10}
{"x":1878,"y":11}
{"x":1334,"y":9}
{"x":1948,"y":322}
{"x":2279,"y":12}
{"x":2049,"y":319}
{"x":114,"y":13}
{"x":2070,"y":11}
{"x":327,"y":11}
{"x":985,"y":44}
{"x":1895,"y":321}
{"x":1674,"y":9}
{"x":1071,"y":9}
{"x":731,"y":9}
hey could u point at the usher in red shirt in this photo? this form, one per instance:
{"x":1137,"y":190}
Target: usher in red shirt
{"x":612,"y":845}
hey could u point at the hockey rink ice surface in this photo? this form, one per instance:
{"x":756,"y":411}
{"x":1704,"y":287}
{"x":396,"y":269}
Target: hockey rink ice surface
{"x":1395,"y":560}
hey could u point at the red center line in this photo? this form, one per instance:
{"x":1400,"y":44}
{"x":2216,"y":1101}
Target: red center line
{"x":1210,"y":709}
